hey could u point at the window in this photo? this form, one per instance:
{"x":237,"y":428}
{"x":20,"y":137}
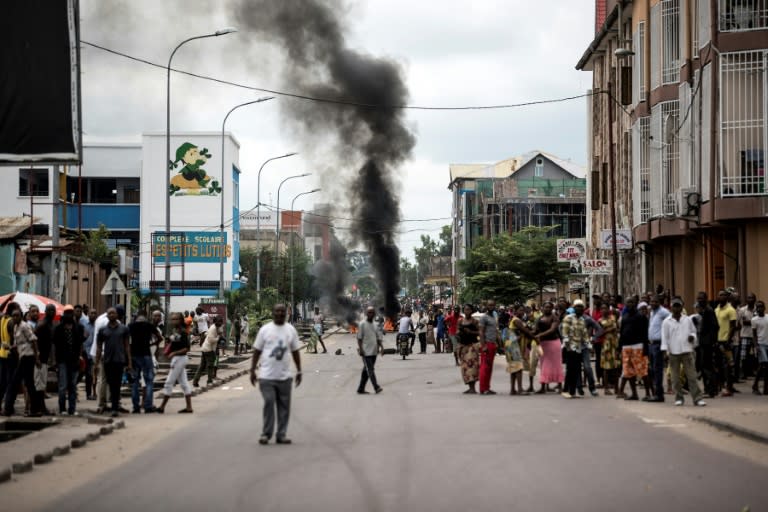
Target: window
{"x":693,"y":21}
{"x":743,"y":90}
{"x":33,"y":182}
{"x":670,"y":155}
{"x":638,"y":84}
{"x":670,"y":42}
{"x":703,"y":17}
{"x":539,"y":169}
{"x":103,"y":190}
{"x":741,"y":15}
{"x":655,"y":64}
{"x":642,"y":170}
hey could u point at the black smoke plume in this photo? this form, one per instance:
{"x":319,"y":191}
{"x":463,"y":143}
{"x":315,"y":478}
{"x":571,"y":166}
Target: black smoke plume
{"x":372,"y":139}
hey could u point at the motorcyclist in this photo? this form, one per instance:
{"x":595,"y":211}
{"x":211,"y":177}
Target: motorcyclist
{"x":405,"y":327}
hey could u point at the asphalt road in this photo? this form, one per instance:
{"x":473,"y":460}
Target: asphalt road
{"x":422,"y":445}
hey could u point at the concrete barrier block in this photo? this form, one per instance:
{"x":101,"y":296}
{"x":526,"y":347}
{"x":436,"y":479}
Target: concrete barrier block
{"x":5,"y":474}
{"x":119,"y":424}
{"x":22,"y":467}
{"x":79,"y":442}
{"x":93,"y":436}
{"x":43,"y":458}
{"x":61,"y":450}
{"x":106,"y":430}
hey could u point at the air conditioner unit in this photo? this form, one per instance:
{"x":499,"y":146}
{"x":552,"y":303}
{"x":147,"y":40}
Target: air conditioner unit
{"x":688,"y":201}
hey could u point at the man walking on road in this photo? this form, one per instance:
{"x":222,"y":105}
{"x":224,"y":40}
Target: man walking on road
{"x":208,"y":355}
{"x":275,"y":339}
{"x":489,"y":338}
{"x":369,"y":344}
{"x":114,"y":350}
{"x":678,"y":336}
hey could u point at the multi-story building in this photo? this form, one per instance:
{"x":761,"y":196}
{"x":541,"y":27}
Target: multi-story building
{"x":533,"y":189}
{"x":694,"y":136}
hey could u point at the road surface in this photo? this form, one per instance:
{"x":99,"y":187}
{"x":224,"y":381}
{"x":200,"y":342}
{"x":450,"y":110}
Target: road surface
{"x":420,"y":445}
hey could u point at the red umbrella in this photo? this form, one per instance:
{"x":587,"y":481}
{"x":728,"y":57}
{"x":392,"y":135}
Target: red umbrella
{"x":29,"y":299}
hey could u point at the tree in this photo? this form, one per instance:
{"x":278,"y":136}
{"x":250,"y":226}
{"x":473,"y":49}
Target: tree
{"x":367,"y":286}
{"x":94,"y":245}
{"x":511,"y":267}
{"x":408,"y":277}
{"x":446,"y":241}
{"x":424,"y":254}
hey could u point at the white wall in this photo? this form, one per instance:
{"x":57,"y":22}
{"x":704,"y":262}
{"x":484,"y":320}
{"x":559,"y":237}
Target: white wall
{"x":189,"y":213}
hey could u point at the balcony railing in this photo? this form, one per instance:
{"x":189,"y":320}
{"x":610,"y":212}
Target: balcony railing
{"x":741,"y":15}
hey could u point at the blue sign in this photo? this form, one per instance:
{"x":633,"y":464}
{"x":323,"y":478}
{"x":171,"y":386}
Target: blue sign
{"x":191,"y":247}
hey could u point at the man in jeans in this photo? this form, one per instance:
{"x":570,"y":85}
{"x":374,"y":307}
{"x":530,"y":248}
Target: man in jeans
{"x":577,"y":329}
{"x":369,"y":345}
{"x":208,"y":355}
{"x":658,"y":314}
{"x":114,"y":350}
{"x":68,"y":344}
{"x":678,"y":336}
{"x":274,"y":340}
{"x":144,"y":336}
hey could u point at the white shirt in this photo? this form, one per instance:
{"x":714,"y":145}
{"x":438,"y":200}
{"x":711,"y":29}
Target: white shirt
{"x":675,"y":334}
{"x":211,"y":339}
{"x":370,"y":336}
{"x":405,"y":325}
{"x":760,"y":324}
{"x":101,"y":321}
{"x":276,"y":342}
{"x":202,"y":322}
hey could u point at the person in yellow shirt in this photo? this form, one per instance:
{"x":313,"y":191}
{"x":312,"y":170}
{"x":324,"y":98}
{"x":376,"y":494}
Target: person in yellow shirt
{"x":726,"y":320}
{"x":8,"y":359}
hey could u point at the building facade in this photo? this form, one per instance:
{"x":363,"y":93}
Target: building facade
{"x":199,"y":184}
{"x":693,"y":136}
{"x":533,"y":189}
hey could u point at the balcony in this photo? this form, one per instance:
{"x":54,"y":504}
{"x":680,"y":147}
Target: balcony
{"x":116,"y":217}
{"x":743,"y":134}
{"x":742,"y":15}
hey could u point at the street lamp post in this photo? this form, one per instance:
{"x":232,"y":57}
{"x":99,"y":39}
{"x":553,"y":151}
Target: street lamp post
{"x":277,"y":225}
{"x":258,"y":222}
{"x":291,"y":254}
{"x":221,"y":224}
{"x":167,"y":302}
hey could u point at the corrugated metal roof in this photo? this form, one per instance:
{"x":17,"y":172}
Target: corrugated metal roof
{"x":507,"y":167}
{"x":11,"y":227}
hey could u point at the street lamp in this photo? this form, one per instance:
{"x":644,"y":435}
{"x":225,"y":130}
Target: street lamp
{"x":258,"y":222}
{"x":291,"y":254}
{"x":277,"y":226}
{"x":167,"y":302}
{"x":221,"y":224}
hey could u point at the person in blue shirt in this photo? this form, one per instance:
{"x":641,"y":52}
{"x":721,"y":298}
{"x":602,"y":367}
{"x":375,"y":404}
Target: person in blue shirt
{"x":440,"y":339}
{"x":657,"y":316}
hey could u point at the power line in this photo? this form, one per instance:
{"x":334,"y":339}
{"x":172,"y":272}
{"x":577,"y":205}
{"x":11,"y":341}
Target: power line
{"x":336,"y":100}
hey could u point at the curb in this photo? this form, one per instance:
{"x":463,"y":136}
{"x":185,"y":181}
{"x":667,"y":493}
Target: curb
{"x":25,"y":466}
{"x":733,"y":429}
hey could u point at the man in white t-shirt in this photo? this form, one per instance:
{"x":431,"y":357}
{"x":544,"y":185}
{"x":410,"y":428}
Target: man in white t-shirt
{"x":208,"y":353}
{"x":274,"y":340}
{"x":202,"y":321}
{"x":759,"y":324}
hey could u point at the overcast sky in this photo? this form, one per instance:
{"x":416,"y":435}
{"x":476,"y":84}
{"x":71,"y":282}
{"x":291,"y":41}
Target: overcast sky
{"x":454,"y":53}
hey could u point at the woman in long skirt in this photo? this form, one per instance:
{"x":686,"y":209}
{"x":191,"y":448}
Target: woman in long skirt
{"x":551,"y":359}
{"x":179,"y":346}
{"x":518,"y":338}
{"x":469,"y":356}
{"x":608,"y":360}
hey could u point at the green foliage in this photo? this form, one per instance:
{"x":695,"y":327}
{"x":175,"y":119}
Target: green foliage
{"x":511,"y":267}
{"x":276,"y":278}
{"x":141,"y":301}
{"x":94,"y":245}
{"x":446,"y":241}
{"x":367,"y":285}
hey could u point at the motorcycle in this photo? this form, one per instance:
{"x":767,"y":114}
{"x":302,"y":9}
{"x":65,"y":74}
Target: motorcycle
{"x":404,"y":344}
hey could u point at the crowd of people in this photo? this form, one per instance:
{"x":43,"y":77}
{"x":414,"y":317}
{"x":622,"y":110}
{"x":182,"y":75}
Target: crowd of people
{"x":652,"y":342}
{"x":107,"y":352}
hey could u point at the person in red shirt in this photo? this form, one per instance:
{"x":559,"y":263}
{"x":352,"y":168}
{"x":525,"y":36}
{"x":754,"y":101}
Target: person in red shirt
{"x":452,"y":323}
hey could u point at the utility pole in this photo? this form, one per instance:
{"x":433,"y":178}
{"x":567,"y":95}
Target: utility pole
{"x":612,"y":201}
{"x":55,"y":190}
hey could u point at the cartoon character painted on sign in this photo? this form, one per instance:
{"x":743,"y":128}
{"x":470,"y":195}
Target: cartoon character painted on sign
{"x":192,"y":179}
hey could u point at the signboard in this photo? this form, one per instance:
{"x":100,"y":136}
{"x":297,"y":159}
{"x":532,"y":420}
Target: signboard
{"x":570,"y":249}
{"x":113,"y":283}
{"x":214,"y":306}
{"x":248,"y":220}
{"x":597,"y":267}
{"x":191,"y":247}
{"x":40,"y":95}
{"x":577,"y":284}
{"x":623,"y":239}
